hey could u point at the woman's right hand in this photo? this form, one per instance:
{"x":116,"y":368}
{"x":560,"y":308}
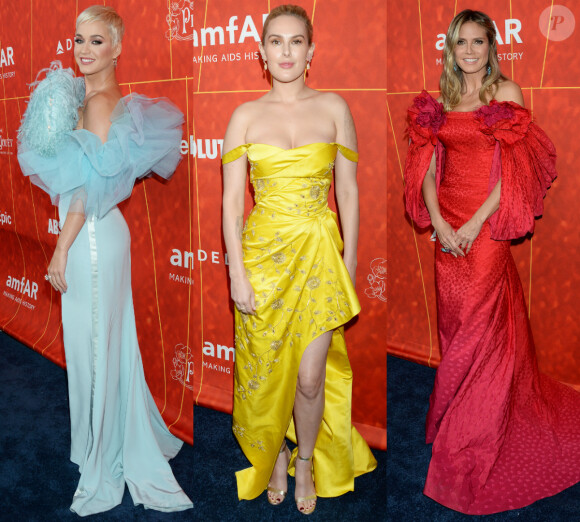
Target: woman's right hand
{"x":447,"y":237}
{"x":243,"y":295}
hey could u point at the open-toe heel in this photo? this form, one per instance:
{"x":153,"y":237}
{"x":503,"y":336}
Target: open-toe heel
{"x":303,"y":500}
{"x":280,"y":494}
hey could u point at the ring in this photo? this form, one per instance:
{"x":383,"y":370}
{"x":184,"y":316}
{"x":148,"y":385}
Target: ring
{"x":446,"y":250}
{"x":47,"y":277}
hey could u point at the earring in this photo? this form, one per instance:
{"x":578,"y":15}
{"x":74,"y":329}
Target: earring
{"x":265,"y":65}
{"x":115,"y":61}
{"x":307,"y":65}
{"x":455,"y":67}
{"x":488,"y":70}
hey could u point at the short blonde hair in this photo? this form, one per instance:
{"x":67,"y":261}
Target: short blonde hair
{"x":107,"y":15}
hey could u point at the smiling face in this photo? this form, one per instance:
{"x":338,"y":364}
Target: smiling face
{"x":286,"y":49}
{"x":471,"y":52}
{"x":93,"y":49}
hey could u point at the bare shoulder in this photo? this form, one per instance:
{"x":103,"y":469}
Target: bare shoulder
{"x":509,"y":91}
{"x":100,"y":104}
{"x":97,"y":113}
{"x":335,"y":103}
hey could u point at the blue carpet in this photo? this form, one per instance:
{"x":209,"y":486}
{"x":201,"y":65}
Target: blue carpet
{"x":408,"y":390}
{"x":37,"y":480}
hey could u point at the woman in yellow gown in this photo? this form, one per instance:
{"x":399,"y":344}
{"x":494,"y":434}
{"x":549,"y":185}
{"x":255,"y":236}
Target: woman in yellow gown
{"x":290,"y":281}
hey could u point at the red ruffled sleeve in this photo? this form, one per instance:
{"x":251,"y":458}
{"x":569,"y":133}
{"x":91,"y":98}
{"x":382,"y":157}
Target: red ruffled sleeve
{"x":425,"y":118}
{"x":525,"y":160}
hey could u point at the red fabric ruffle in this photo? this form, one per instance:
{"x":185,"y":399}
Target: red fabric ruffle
{"x":526,"y":164}
{"x":425,"y":118}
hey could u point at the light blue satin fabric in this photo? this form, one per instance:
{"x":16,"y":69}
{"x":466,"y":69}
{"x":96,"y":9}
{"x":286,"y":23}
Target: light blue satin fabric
{"x":118,"y":436}
{"x":117,"y":433}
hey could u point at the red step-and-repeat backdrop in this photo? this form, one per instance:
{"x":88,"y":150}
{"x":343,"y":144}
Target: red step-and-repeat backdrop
{"x":202,"y":54}
{"x":537,"y":42}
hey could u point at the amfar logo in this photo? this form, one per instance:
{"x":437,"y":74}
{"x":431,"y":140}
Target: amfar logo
{"x":5,"y":144}
{"x":512,"y":28}
{"x":23,"y":286}
{"x":6,"y":56}
{"x":68,"y":46}
{"x":221,"y":352}
{"x":180,"y":22}
{"x":183,"y":366}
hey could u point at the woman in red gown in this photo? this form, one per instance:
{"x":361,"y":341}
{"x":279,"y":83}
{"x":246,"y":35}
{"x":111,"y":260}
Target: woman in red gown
{"x":477,"y":170}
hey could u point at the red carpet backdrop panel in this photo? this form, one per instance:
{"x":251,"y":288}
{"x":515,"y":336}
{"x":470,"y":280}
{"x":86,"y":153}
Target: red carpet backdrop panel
{"x":203,"y":56}
{"x":536,"y":42}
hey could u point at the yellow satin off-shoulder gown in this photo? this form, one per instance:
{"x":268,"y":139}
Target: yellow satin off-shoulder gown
{"x":292,"y":254}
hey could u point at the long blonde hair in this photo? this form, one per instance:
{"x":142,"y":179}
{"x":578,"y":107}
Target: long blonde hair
{"x":451,"y":81}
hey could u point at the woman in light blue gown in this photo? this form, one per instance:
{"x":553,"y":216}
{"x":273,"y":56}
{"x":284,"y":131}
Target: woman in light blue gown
{"x":118,"y":436}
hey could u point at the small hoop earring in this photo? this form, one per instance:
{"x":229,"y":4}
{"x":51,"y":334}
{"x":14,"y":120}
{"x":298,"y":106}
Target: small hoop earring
{"x":488,"y":70}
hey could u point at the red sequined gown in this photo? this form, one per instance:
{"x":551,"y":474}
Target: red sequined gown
{"x":504,"y":435}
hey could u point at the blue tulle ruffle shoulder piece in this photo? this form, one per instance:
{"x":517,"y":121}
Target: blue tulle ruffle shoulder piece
{"x":144,"y":136}
{"x":52,"y":110}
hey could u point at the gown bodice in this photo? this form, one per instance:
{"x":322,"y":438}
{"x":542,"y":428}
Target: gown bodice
{"x":468,"y":157}
{"x":292,"y":182}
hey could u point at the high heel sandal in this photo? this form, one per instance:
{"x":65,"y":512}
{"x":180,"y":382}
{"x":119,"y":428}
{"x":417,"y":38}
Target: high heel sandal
{"x":299,"y":500}
{"x":280,"y":494}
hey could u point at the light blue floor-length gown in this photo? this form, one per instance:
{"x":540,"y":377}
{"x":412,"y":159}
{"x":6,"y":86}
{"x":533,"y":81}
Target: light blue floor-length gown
{"x":118,"y":436}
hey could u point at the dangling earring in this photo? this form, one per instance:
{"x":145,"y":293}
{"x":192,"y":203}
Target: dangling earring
{"x":307,"y":65}
{"x":455,"y":67}
{"x":265,"y":65}
{"x":115,"y":61}
{"x":488,"y":70}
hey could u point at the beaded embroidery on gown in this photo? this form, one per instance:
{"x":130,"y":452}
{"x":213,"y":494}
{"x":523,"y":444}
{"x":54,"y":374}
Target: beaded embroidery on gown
{"x":504,"y":435}
{"x":292,"y":254}
{"x":118,"y":436}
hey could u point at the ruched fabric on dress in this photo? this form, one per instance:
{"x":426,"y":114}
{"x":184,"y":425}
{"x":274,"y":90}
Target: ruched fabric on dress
{"x":292,"y":252}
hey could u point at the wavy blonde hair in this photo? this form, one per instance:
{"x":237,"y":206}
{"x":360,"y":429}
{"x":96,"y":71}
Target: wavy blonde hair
{"x":107,"y":15}
{"x":451,"y":81}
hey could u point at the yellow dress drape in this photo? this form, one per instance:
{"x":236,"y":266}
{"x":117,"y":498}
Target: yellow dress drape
{"x":292,"y":254}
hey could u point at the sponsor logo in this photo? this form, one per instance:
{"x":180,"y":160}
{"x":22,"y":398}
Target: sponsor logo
{"x":377,"y":279}
{"x":181,"y":27}
{"x":202,"y":148}
{"x":5,"y":218}
{"x":53,"y":227}
{"x":557,"y":23}
{"x":23,"y":286}
{"x":68,"y":45}
{"x":183,"y":366}
{"x":6,"y":144}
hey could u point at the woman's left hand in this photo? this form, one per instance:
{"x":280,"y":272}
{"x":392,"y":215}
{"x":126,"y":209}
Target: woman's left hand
{"x":468,"y":233}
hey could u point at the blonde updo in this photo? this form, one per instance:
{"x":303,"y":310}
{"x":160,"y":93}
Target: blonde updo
{"x":289,"y":10}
